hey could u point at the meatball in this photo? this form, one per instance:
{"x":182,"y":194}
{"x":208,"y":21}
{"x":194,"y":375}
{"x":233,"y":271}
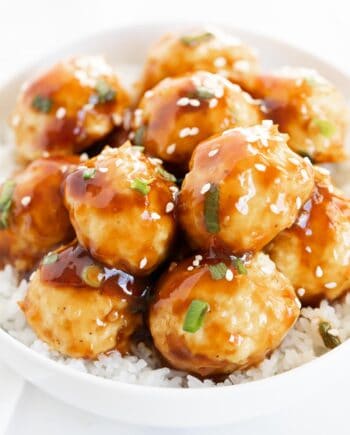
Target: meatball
{"x":243,"y":188}
{"x":33,"y":218}
{"x":180,"y":112}
{"x":201,"y":50}
{"x":67,"y":108}
{"x":213,"y":316}
{"x":309,"y":109}
{"x":121,"y":205}
{"x":79,"y":307}
{"x":315,"y":252}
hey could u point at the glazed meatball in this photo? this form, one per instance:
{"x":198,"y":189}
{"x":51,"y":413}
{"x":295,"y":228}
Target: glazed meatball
{"x":67,"y":108}
{"x":121,"y":205}
{"x":201,"y":50}
{"x":33,"y":218}
{"x":315,"y":252}
{"x":309,"y":109}
{"x":213,"y":316}
{"x":243,"y":188}
{"x":180,"y":112}
{"x":79,"y":307}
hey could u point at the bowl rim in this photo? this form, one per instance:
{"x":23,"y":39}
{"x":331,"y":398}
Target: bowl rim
{"x":305,"y":370}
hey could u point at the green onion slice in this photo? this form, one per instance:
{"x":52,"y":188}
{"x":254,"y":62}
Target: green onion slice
{"x":89,"y":173}
{"x":6,"y":202}
{"x":192,"y":40}
{"x":239,"y":265}
{"x":166,"y":175}
{"x":139,"y":133}
{"x":195,"y":316}
{"x":211,"y":209}
{"x":329,"y":340}
{"x":326,"y":128}
{"x":201,"y":93}
{"x":50,"y":258}
{"x":42,"y":104}
{"x":92,"y":275}
{"x":104,"y":93}
{"x":218,"y":271}
{"x":141,"y":185}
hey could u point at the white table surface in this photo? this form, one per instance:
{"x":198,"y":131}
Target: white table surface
{"x":28,"y":30}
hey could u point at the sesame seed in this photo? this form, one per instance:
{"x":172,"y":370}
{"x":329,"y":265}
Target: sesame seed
{"x":195,"y":263}
{"x":190,"y":268}
{"x":301,"y":291}
{"x":64,"y":169}
{"x":213,"y":103}
{"x":277,"y":181}
{"x":99,"y":322}
{"x":330,"y":285}
{"x":220,"y":62}
{"x":319,"y":272}
{"x":46,"y":154}
{"x":298,"y":302}
{"x":26,"y":200}
{"x":294,"y":161}
{"x":199,"y":257}
{"x":308,"y":249}
{"x":61,"y":113}
{"x":205,"y":188}
{"x":308,"y":232}
{"x":169,"y":207}
{"x":183,"y":101}
{"x":149,"y":94}
{"x":194,"y":102}
{"x":298,"y":202}
{"x":229,"y":275}
{"x":260,"y":167}
{"x":117,"y":119}
{"x":155,"y":216}
{"x":213,"y":153}
{"x":103,"y":170}
{"x":171,"y":148}
{"x":252,"y":150}
{"x":187,"y":131}
{"x":83,"y":157}
{"x":242,"y":66}
{"x":143,"y":263}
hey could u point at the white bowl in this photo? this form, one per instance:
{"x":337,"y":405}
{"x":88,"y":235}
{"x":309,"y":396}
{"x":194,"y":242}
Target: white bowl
{"x":154,"y":406}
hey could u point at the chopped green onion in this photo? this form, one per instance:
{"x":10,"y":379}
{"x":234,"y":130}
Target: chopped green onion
{"x":42,"y":104}
{"x":326,"y":128}
{"x":330,"y":341}
{"x":92,"y":275}
{"x":166,"y":175}
{"x":89,"y":173}
{"x":202,"y":93}
{"x":239,"y":265}
{"x":218,"y":271}
{"x":211,"y":209}
{"x":50,"y":258}
{"x":104,"y":93}
{"x":141,"y":186}
{"x":139,"y":133}
{"x":192,"y":40}
{"x":6,"y":202}
{"x":195,"y":316}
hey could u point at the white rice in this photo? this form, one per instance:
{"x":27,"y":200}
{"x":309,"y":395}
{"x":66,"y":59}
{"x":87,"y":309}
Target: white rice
{"x":302,"y":344}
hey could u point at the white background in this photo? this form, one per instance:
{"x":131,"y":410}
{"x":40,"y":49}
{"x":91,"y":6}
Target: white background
{"x":31,"y":28}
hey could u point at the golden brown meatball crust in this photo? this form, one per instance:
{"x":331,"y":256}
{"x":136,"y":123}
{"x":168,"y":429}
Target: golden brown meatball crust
{"x":315,"y":252}
{"x":180,"y":112}
{"x":201,"y":50}
{"x":81,"y":308}
{"x":67,"y":108}
{"x":247,"y":314}
{"x":243,"y":188}
{"x":309,"y":109}
{"x":36,"y":220}
{"x":124,"y":212}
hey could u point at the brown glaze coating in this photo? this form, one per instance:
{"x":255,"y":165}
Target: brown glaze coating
{"x":79,"y":320}
{"x":315,"y":252}
{"x":76,"y":118}
{"x":309,"y":109}
{"x":181,"y":112}
{"x":200,"y":50}
{"x":248,"y":315}
{"x":261,"y":185}
{"x":38,"y":220}
{"x":121,"y":226}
